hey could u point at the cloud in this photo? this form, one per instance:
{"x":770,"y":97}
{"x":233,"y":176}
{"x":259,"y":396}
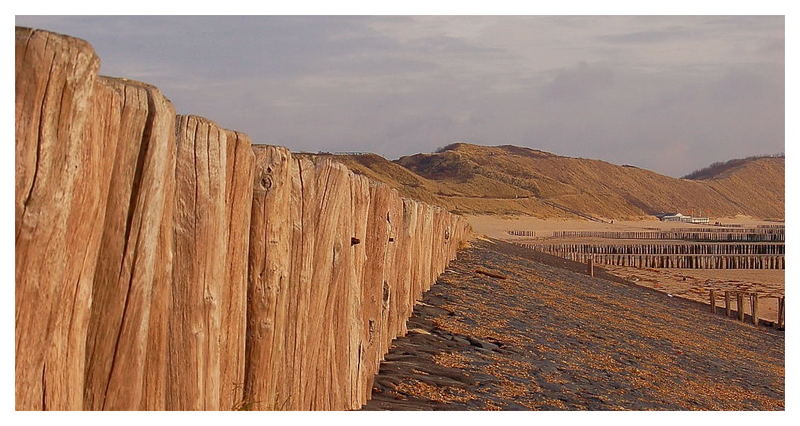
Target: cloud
{"x":580,"y":82}
{"x":652,"y":36}
{"x":669,"y":93}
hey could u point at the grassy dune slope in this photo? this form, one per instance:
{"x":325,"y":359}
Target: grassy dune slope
{"x":506,"y":179}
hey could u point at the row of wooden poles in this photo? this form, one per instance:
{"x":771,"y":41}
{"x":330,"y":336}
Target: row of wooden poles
{"x":761,"y":229}
{"x":165,"y":263}
{"x":740,"y":297}
{"x":758,"y":230}
{"x":684,"y":261}
{"x":671,"y":235}
{"x":740,"y":303}
{"x":699,"y":248}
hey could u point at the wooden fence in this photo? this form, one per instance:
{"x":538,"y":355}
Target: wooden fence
{"x":742,"y":300}
{"x":162,"y":263}
{"x":738,"y":229}
{"x":778,"y":236}
{"x":682,"y":261}
{"x":661,"y":248}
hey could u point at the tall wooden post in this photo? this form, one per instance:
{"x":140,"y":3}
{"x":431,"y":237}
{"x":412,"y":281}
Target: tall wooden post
{"x":590,"y":266}
{"x":781,"y":312}
{"x":727,"y":304}
{"x":713,"y":297}
{"x":754,"y":307}
{"x":740,"y":305}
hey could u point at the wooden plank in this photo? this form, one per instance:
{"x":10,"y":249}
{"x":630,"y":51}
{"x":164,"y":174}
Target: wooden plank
{"x":239,"y":170}
{"x":754,"y":307}
{"x":123,"y":283}
{"x":337,"y":378}
{"x":199,"y":265}
{"x":156,"y":362}
{"x":379,"y":224}
{"x":303,"y":223}
{"x":294,"y":301}
{"x":63,"y":164}
{"x":268,"y":271}
{"x":331,"y":181}
{"x":713,"y":301}
{"x":358,"y":333}
{"x":740,"y":305}
{"x":727,"y":304}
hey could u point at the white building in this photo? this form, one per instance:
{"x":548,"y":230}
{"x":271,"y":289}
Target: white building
{"x":677,"y":217}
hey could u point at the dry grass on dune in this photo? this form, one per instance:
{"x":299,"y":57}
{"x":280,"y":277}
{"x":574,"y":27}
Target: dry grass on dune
{"x":474,"y":179}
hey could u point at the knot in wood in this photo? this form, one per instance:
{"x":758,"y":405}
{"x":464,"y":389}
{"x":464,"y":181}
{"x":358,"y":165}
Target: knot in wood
{"x":371,"y":330}
{"x":386,"y":294}
{"x":354,"y":241}
{"x":265,"y":182}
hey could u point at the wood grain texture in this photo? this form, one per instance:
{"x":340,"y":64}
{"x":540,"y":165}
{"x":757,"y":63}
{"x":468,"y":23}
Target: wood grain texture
{"x":376,"y":248}
{"x":355,"y":303}
{"x":165,"y":263}
{"x":156,"y":369}
{"x":268,"y":272}
{"x":239,"y":170}
{"x":336,"y":264}
{"x":122,"y":292}
{"x":62,"y":176}
{"x":198,"y":273}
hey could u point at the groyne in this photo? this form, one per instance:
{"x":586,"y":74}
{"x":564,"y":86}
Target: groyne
{"x":682,"y":261}
{"x":661,"y":248}
{"x":671,"y":254}
{"x":166,"y":263}
{"x":752,"y":235}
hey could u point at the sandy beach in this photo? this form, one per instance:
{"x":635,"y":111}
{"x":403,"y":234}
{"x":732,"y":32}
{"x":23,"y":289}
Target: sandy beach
{"x":542,"y":335}
{"x":498,"y":226}
{"x":692,"y":284}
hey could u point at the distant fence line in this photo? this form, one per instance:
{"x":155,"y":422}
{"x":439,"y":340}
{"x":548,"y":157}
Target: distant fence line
{"x":673,"y":235}
{"x":766,"y":229}
{"x":741,"y":299}
{"x":689,"y":261}
{"x":701,"y":248}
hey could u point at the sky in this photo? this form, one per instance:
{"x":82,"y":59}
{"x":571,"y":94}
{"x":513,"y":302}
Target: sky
{"x":667,"y":93}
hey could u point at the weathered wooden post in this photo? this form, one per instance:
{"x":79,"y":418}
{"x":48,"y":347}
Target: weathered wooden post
{"x":713,"y":297}
{"x":781,"y":312}
{"x":754,"y":307}
{"x":727,"y":304}
{"x":740,"y":305}
{"x":590,"y":266}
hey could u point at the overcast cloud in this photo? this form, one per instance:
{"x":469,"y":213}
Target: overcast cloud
{"x":671,"y":94}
